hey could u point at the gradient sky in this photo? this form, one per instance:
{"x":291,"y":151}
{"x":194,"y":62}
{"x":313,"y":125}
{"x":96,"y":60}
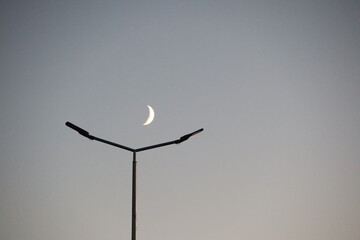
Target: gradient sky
{"x":275,"y":85}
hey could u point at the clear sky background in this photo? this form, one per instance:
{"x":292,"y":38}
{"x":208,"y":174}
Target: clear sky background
{"x":275,"y":85}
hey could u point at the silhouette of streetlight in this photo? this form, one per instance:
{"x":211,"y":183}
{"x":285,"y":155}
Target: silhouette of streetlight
{"x":134,"y":151}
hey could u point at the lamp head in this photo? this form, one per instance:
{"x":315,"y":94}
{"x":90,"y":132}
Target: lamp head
{"x":187,"y":136}
{"x":79,"y":130}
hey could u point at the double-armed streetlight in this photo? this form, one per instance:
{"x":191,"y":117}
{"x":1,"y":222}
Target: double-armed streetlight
{"x":134,"y":151}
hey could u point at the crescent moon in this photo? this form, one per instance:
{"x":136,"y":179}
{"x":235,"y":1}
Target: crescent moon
{"x":150,"y":117}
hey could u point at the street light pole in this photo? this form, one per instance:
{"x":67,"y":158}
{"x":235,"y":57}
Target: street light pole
{"x":133,"y":203}
{"x":134,"y":151}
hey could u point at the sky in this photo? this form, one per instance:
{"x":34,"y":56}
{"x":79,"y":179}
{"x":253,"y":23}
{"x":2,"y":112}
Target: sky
{"x":275,"y":85}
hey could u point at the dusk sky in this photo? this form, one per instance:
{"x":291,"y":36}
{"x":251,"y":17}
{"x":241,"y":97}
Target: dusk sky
{"x":274,"y":84}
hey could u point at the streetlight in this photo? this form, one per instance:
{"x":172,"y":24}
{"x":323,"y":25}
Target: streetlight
{"x":134,"y":151}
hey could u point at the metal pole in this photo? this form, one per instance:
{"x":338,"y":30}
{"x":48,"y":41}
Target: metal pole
{"x":133,"y":213}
